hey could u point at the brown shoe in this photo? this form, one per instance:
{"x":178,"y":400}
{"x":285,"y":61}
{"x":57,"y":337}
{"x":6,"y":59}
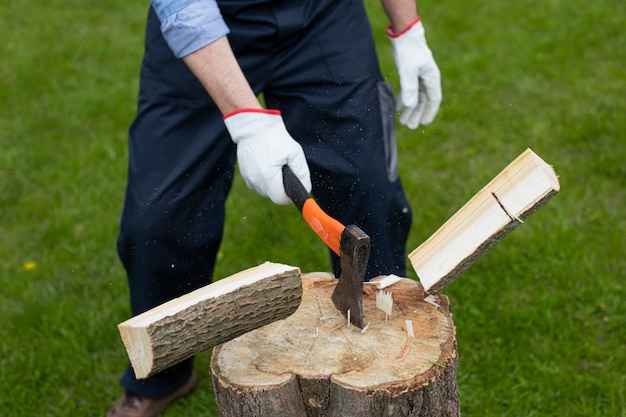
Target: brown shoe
{"x":133,"y":405}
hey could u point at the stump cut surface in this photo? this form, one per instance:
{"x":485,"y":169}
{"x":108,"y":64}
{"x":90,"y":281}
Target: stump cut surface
{"x":333,"y":364}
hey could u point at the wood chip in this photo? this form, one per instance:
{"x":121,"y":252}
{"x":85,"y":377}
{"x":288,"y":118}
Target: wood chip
{"x":431,"y":300}
{"x":364,"y":329}
{"x":409,"y":328}
{"x":383,"y":282}
{"x":384,"y":301}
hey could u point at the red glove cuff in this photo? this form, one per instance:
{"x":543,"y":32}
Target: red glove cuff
{"x":403,"y":31}
{"x":265,"y":111}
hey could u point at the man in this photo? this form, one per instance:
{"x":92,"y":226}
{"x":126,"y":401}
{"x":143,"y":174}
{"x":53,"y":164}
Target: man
{"x":329,"y":116}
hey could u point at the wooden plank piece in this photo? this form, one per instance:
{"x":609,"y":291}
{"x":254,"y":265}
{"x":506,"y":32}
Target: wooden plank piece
{"x":502,"y":205}
{"x":209,"y":316}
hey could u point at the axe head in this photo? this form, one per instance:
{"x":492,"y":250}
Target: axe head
{"x":348,"y":294}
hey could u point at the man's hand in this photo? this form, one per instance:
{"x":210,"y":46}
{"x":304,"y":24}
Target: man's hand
{"x":263,"y":143}
{"x":420,"y":79}
{"x":263,"y":147}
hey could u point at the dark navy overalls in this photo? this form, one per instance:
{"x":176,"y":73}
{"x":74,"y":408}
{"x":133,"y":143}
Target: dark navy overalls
{"x":315,"y":61}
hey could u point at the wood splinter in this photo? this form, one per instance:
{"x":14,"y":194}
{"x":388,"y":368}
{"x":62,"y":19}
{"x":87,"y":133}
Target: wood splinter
{"x":384,"y":302}
{"x":409,"y":328}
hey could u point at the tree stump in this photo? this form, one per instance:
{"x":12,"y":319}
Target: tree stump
{"x":314,"y":363}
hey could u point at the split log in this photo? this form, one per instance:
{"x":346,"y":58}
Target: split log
{"x":230,"y":307}
{"x":502,"y":205}
{"x":313,"y":363}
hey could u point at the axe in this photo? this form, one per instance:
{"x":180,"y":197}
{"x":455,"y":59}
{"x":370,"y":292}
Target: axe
{"x":349,"y":242}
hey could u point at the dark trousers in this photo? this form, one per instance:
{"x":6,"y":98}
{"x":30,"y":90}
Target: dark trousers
{"x":315,"y":61}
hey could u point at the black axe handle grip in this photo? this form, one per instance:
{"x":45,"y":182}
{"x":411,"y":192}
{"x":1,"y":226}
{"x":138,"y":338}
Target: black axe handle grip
{"x":294,"y":188}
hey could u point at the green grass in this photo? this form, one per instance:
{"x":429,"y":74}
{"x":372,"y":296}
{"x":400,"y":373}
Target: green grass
{"x":540,"y":319}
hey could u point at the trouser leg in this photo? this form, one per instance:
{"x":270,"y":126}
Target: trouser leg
{"x":181,"y":167}
{"x":335,"y":104}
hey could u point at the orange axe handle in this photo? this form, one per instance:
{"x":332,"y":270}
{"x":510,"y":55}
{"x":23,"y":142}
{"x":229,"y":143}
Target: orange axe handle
{"x":327,"y":228}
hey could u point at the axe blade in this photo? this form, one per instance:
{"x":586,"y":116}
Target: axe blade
{"x":348,"y":294}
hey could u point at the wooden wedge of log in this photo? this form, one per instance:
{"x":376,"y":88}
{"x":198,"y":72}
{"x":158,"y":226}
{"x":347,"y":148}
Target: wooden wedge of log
{"x":188,"y":325}
{"x":313,"y":363}
{"x":502,"y":205}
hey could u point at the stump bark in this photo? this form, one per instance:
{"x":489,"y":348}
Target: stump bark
{"x":314,"y":363}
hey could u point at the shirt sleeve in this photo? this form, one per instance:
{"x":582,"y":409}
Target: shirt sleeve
{"x":189,"y":25}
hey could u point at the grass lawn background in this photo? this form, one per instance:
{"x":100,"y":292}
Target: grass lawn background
{"x":540,"y":319}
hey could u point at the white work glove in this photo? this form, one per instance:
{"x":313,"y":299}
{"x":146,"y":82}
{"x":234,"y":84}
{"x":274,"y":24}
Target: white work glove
{"x":263,"y":147}
{"x":420,"y":79}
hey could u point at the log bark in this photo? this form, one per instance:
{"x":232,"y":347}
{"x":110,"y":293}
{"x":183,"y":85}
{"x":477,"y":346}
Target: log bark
{"x":314,"y":364}
{"x":188,"y":325}
{"x":502,"y":205}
